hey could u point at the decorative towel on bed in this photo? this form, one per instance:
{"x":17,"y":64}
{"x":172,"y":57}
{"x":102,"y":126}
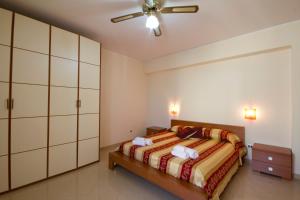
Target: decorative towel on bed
{"x":192,"y":153}
{"x":142,"y":141}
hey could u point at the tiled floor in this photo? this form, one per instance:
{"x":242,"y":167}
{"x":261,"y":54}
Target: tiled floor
{"x":98,"y":182}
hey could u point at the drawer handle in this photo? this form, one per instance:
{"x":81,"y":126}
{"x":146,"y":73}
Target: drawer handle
{"x":270,"y":169}
{"x":270,"y":158}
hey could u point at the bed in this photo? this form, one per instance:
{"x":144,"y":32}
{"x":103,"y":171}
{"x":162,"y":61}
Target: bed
{"x":203,"y":178}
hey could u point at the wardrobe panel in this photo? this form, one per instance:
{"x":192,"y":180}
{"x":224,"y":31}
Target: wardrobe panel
{"x":64,"y":43}
{"x":89,"y":76}
{"x":88,"y":126}
{"x":5,"y":26}
{"x":89,"y":101}
{"x":30,"y":67}
{"x":62,"y":158}
{"x":29,"y":100}
{"x":3,"y":173}
{"x":4,"y":63}
{"x":28,"y":167}
{"x":4,"y":95}
{"x":28,"y":134}
{"x":88,"y":151}
{"x":89,"y":51}
{"x":63,"y":129}
{"x":63,"y":101}
{"x":3,"y":137}
{"x":64,"y":72}
{"x":31,"y":34}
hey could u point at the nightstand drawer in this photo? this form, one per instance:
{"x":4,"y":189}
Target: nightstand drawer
{"x":272,"y":158}
{"x":276,"y":170}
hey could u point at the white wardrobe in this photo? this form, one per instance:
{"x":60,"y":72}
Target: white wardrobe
{"x":50,"y":100}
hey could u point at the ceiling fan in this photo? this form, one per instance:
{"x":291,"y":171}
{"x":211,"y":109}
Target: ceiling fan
{"x":153,"y":7}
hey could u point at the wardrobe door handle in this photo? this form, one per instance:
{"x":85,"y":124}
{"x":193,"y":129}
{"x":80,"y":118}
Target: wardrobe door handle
{"x":78,"y":102}
{"x":12,"y":104}
{"x":8,"y":104}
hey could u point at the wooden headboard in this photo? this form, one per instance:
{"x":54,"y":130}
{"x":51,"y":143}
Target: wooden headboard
{"x":238,"y":130}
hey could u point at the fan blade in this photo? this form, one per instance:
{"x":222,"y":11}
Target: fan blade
{"x":157,"y":31}
{"x":180,"y":9}
{"x":126,"y":17}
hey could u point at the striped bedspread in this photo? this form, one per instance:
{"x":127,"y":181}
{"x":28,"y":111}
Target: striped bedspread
{"x":215,"y":158}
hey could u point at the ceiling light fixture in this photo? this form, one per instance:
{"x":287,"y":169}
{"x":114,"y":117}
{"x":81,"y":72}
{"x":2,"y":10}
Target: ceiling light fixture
{"x":152,"y":22}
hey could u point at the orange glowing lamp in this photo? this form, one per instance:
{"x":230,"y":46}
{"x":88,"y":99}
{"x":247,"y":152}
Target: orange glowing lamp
{"x":250,"y":113}
{"x":174,"y":109}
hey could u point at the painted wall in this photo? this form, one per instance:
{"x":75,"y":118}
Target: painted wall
{"x":214,"y":82}
{"x":123,"y":100}
{"x":217,"y":92}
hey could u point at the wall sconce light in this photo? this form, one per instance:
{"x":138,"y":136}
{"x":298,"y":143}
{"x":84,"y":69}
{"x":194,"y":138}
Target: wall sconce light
{"x":174,"y":109}
{"x":250,"y":113}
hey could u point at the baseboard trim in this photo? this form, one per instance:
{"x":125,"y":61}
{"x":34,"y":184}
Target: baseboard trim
{"x":297,"y":176}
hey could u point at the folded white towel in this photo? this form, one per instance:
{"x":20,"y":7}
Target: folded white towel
{"x":148,"y":141}
{"x":139,"y":139}
{"x":180,"y":154}
{"x":142,"y":141}
{"x":179,"y":148}
{"x":191,"y":152}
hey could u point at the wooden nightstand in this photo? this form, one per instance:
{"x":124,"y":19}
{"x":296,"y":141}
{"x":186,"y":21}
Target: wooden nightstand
{"x":155,"y":129}
{"x":272,"y":160}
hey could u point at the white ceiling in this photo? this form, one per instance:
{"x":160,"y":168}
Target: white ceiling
{"x":216,"y":20}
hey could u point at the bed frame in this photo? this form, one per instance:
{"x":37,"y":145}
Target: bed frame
{"x":179,"y":188}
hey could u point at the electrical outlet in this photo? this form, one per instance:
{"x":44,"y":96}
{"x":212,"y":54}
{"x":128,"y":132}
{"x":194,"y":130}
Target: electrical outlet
{"x":250,"y":146}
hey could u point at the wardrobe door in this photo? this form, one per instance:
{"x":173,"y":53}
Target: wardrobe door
{"x":30,"y":67}
{"x":5,"y":42}
{"x":89,"y":51}
{"x":3,"y":173}
{"x":4,"y":63}
{"x":3,"y":137}
{"x":89,"y":126}
{"x":89,"y":101}
{"x":4,"y":95}
{"x":5,"y":26}
{"x":63,"y":129}
{"x":28,"y":167}
{"x":64,"y":72}
{"x":89,"y":85}
{"x":31,"y":34}
{"x":64,"y":44}
{"x":28,"y":134}
{"x":63,"y":101}
{"x":89,"y":76}
{"x":88,"y":151}
{"x":29,"y":100}
{"x":62,"y":158}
